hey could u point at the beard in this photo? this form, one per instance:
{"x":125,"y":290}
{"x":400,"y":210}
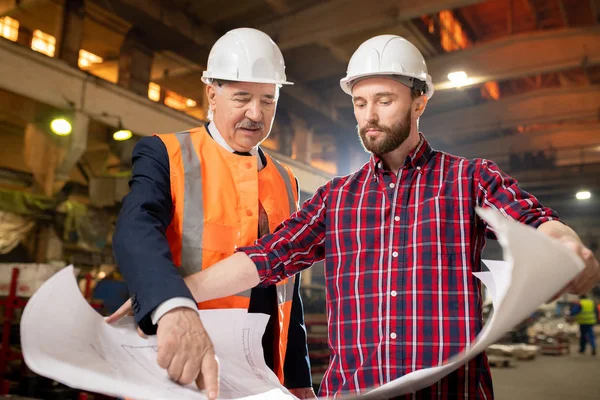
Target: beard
{"x":390,"y":139}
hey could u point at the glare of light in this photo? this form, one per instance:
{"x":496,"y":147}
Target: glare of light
{"x":153,"y":91}
{"x":101,"y":275}
{"x":122,"y":134}
{"x":61,"y":126}
{"x":458,"y":78}
{"x":190,"y":103}
{"x":583,"y":195}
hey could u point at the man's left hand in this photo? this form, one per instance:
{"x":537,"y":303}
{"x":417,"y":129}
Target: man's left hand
{"x":303,"y":393}
{"x":590,"y":276}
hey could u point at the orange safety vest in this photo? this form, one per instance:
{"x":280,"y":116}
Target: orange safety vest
{"x":215,"y":196}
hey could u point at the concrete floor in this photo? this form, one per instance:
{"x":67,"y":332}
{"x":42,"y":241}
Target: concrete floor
{"x":566,"y":377}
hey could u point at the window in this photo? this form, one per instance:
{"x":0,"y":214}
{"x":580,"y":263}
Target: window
{"x":86,"y":59}
{"x":177,"y":101}
{"x":43,"y":43}
{"x":452,"y":35}
{"x":9,"y":28}
{"x":172,"y":99}
{"x":154,"y":92}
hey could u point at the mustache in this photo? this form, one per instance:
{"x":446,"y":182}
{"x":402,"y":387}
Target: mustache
{"x":249,"y":124}
{"x":374,"y":125}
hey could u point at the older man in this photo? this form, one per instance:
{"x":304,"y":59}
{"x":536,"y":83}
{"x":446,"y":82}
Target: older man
{"x":198,"y":195}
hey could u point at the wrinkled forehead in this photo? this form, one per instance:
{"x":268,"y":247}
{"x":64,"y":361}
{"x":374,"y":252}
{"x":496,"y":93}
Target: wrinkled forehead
{"x":251,"y":89}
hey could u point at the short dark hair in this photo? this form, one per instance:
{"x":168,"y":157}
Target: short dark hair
{"x":418,"y":89}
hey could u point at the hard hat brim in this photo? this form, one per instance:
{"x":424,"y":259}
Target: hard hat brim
{"x":206,"y":78}
{"x":348,"y":82}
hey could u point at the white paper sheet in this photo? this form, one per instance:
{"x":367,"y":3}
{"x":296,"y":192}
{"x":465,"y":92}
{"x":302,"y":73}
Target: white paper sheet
{"x":534,"y":269}
{"x":64,"y":339}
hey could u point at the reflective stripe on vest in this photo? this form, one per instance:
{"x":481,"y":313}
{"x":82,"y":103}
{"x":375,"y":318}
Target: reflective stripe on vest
{"x":193,"y":223}
{"x":288,"y":185}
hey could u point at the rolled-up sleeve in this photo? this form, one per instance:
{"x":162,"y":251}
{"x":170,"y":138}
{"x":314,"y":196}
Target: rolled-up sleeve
{"x":501,"y":192}
{"x":296,"y":244}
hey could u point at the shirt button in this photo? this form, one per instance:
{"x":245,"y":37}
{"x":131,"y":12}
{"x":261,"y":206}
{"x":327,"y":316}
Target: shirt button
{"x":393,"y":293}
{"x":418,"y":168}
{"x":393,"y":335}
{"x":249,"y":213}
{"x":396,"y":218}
{"x":392,"y":185}
{"x":395,"y":254}
{"x":248,"y":165}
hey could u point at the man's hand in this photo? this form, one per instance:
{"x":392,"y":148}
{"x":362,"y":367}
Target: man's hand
{"x":186,"y":352}
{"x":123,"y":311}
{"x":303,"y":393}
{"x":184,"y":348}
{"x":590,"y":276}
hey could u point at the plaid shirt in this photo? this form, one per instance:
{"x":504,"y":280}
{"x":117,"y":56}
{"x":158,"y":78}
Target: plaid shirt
{"x":399,"y":254}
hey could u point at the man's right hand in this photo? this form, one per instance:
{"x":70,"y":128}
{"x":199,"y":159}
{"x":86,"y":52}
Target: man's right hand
{"x":186,"y":352}
{"x":184,"y":348}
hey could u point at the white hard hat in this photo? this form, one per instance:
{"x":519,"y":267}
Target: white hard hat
{"x":246,"y":55}
{"x":387,"y":55}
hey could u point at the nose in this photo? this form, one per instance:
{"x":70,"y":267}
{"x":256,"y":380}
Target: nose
{"x":254,"y":111}
{"x":371,"y":114}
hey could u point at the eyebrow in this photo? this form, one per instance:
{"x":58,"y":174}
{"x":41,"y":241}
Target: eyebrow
{"x":245,"y":94}
{"x":380,"y":94}
{"x":385,"y":94}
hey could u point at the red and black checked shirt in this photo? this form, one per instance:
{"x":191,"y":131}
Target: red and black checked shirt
{"x":399,"y":254}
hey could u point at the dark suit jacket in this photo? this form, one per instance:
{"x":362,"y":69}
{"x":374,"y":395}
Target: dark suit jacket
{"x":144,"y":258}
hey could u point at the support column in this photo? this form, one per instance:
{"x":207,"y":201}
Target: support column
{"x":72,"y":32}
{"x":135,"y":64}
{"x":285,"y":132}
{"x":76,"y":146}
{"x":342,"y":158}
{"x":42,"y":155}
{"x":25,"y":36}
{"x":302,"y":140}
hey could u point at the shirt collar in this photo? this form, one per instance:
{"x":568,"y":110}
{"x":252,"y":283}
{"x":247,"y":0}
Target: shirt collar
{"x":216,"y":135}
{"x":416,"y":158}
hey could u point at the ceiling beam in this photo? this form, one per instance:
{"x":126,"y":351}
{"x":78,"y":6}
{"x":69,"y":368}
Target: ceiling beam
{"x":559,"y":176}
{"x":519,"y":56}
{"x":279,"y":6}
{"x":172,"y":17}
{"x":531,"y":5}
{"x":535,"y":107}
{"x":204,"y":36}
{"x":575,"y":137}
{"x":563,"y":12}
{"x":335,"y":18}
{"x":595,"y":8}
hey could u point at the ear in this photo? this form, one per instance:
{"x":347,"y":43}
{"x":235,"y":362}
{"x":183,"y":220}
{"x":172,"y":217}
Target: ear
{"x":419,"y":105}
{"x":211,"y":95}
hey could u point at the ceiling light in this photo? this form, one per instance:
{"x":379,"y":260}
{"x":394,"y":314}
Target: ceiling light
{"x":583,"y":195}
{"x":458,"y":78}
{"x":61,"y":127}
{"x":122,"y":134}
